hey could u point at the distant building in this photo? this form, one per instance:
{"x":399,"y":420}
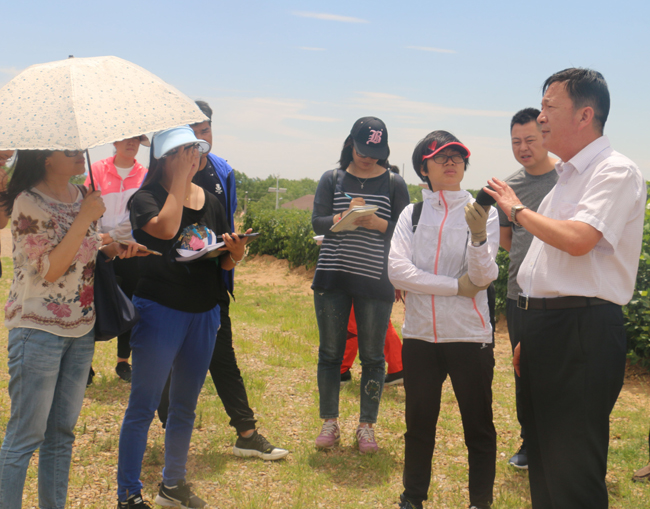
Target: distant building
{"x":303,"y":203}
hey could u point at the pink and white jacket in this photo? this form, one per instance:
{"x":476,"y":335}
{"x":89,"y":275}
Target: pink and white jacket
{"x":116,"y":193}
{"x":428,"y":262}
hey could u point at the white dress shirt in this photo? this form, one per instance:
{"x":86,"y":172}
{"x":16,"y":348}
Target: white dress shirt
{"x":606,"y":190}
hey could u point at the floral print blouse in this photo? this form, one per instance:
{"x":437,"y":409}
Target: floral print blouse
{"x":65,"y":307}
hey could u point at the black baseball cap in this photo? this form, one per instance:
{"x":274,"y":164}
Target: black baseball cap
{"x":370,"y":138}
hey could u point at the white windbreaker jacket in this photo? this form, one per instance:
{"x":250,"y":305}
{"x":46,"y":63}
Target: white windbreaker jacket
{"x":427,"y":264}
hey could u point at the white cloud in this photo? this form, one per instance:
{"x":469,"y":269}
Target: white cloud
{"x":9,"y":73}
{"x":434,"y":50}
{"x":329,"y":17}
{"x":307,"y":48}
{"x":298,"y":138}
{"x":416,"y":110}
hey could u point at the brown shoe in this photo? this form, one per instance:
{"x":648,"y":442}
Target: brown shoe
{"x":642,"y":474}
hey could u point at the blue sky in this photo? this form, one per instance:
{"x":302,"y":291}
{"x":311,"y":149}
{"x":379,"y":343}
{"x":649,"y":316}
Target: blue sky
{"x":287,"y":79}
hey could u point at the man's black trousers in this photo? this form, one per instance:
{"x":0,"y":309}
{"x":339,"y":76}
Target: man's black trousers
{"x":572,"y":370}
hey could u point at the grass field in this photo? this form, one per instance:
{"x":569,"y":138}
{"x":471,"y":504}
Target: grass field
{"x":277,"y":340}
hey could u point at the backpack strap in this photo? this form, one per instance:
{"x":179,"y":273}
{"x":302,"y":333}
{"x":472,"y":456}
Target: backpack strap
{"x":417,"y":212}
{"x":335,"y":179}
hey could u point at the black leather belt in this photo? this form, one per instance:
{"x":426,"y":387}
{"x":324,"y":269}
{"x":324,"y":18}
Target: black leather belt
{"x":525,"y":302}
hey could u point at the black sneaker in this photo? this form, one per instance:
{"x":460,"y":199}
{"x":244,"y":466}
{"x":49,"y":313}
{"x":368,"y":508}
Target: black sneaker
{"x":179,"y":496}
{"x":91,"y":375}
{"x":123,"y":370}
{"x":405,"y":503}
{"x":133,"y":501}
{"x":520,"y":459}
{"x":346,"y":377}
{"x":258,"y":446}
{"x":395,"y":378}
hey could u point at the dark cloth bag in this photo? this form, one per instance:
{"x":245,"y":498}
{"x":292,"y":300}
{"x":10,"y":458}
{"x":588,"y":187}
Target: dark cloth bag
{"x":115,"y":313}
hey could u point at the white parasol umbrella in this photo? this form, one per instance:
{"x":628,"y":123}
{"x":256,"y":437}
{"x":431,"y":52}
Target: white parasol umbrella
{"x":80,"y":103}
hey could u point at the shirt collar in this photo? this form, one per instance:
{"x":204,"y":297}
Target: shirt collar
{"x":582,"y":159}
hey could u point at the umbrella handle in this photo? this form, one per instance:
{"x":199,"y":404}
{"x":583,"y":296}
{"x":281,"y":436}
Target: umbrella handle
{"x":90,"y":173}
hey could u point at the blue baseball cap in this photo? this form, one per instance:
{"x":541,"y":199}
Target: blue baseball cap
{"x":167,"y":140}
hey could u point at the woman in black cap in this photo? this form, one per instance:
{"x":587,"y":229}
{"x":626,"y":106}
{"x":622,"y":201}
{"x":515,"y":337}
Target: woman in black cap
{"x":352,"y":267}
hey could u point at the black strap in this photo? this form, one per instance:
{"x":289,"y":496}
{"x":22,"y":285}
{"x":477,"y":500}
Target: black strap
{"x":417,"y":212}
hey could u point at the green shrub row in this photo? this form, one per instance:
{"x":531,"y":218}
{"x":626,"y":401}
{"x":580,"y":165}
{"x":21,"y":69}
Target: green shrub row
{"x":284,"y":233}
{"x":637,"y":312}
{"x":288,"y":234}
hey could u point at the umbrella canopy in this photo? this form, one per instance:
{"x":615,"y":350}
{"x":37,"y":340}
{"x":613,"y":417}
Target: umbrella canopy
{"x":80,"y":103}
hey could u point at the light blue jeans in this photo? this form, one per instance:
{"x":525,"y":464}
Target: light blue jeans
{"x":48,"y":376}
{"x":332,"y":315}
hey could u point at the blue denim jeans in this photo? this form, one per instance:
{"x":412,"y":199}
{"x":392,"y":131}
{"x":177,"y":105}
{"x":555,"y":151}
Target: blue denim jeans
{"x":164,"y":341}
{"x":332,"y":315}
{"x":47,"y":382}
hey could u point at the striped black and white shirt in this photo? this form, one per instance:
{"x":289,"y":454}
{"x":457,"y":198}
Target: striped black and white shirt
{"x":355,"y":262}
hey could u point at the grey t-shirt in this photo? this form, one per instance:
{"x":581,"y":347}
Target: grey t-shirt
{"x":531,"y":190}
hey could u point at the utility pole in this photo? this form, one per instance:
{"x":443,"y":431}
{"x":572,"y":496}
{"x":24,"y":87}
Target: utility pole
{"x":277,"y":190}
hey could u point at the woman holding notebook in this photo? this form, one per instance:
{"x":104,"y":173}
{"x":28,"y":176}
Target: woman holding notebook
{"x":352,"y":267}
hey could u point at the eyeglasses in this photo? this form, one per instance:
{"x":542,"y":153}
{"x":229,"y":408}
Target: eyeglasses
{"x":443,"y":158}
{"x":72,"y":153}
{"x":191,"y":146}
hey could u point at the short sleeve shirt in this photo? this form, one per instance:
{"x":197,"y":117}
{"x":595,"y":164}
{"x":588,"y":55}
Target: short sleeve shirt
{"x":604,"y":189}
{"x":531,"y":190}
{"x":193,"y":287}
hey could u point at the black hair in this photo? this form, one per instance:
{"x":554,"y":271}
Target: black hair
{"x":522,"y":117}
{"x":205,"y":108}
{"x":585,"y":87}
{"x":154,"y":173}
{"x":422,"y":149}
{"x":393,"y":167}
{"x":27,"y":171}
{"x":346,"y":155}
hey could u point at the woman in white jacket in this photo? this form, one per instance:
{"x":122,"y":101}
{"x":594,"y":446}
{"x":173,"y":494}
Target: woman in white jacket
{"x":444,"y":262}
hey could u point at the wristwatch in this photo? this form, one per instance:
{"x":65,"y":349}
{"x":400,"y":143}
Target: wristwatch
{"x":513,"y":213}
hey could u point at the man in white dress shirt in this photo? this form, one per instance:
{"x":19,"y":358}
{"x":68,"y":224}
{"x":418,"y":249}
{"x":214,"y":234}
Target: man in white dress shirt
{"x":580,"y":269}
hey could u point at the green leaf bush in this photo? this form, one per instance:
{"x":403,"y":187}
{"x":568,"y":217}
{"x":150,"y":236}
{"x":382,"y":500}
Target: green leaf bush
{"x":637,"y":312}
{"x":284,"y":233}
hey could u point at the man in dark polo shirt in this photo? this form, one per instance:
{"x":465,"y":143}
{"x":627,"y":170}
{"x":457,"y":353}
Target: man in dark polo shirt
{"x":531,"y":184}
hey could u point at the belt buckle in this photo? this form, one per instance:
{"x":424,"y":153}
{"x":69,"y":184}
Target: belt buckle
{"x":522,"y":301}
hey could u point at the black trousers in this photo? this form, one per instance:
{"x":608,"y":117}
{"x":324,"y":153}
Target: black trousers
{"x":470,"y":367}
{"x":127,"y":274}
{"x":226,"y":377}
{"x":514,"y":315}
{"x":572,"y":370}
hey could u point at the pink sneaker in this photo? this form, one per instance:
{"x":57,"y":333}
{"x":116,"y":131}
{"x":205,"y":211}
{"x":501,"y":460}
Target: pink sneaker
{"x":366,"y":440}
{"x":329,"y":436}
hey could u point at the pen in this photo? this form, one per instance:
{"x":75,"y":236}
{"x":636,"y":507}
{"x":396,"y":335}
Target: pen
{"x":346,"y":194}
